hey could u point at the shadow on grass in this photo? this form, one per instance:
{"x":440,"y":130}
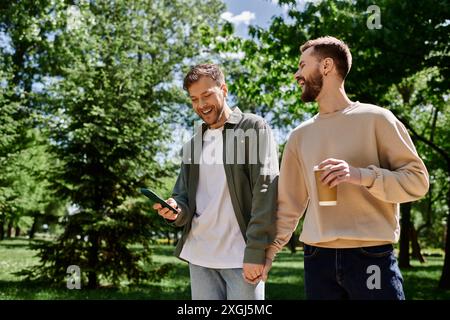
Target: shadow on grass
{"x":286,"y":279}
{"x":174,"y":286}
{"x":17,"y":290}
{"x":422,"y":280}
{"x":285,"y":283}
{"x":14,"y":245}
{"x":163,"y":249}
{"x":284,"y":291}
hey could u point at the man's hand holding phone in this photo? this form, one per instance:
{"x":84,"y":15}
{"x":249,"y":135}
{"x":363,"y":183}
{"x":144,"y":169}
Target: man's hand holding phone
{"x":165,"y":212}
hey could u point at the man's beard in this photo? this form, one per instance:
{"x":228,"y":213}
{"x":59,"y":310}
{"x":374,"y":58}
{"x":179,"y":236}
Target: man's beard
{"x":214,"y":117}
{"x":312,"y":87}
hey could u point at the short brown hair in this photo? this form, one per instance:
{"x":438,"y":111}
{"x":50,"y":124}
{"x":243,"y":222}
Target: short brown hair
{"x":203,"y":70}
{"x":330,"y":47}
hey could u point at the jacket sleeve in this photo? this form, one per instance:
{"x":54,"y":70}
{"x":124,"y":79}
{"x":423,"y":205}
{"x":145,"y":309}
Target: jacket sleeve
{"x":180,"y":194}
{"x":402,"y":175}
{"x":264,"y":179}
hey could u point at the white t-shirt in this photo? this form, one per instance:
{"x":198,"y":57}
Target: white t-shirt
{"x":215,"y":239}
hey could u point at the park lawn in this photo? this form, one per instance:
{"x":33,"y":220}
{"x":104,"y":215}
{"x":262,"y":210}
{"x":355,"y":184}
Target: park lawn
{"x":285,"y":281}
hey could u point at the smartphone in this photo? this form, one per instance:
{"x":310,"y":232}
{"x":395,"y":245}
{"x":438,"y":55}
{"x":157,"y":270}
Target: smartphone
{"x":155,"y":198}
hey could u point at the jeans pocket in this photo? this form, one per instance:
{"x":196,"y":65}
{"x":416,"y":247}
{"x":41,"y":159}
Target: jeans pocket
{"x":377,"y":251}
{"x":310,"y":251}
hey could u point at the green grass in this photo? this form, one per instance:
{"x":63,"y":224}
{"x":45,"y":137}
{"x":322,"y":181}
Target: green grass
{"x":285,"y":281}
{"x":15,"y":256}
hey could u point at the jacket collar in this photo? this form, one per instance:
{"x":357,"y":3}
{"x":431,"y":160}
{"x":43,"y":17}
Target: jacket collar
{"x":234,"y":118}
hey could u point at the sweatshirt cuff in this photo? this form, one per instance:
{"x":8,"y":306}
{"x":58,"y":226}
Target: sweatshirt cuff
{"x":367,"y":177}
{"x":271,"y":252}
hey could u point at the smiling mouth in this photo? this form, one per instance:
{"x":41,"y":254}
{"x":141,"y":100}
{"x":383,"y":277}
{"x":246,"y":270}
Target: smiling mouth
{"x":206,"y":111}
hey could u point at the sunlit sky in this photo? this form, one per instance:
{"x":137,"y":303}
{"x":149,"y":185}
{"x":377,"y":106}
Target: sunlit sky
{"x":242,"y":13}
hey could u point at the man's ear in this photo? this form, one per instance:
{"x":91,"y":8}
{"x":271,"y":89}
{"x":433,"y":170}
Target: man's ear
{"x":224,"y":89}
{"x":327,"y":65}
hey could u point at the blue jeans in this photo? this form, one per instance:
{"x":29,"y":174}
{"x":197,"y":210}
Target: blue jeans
{"x":222,"y":284}
{"x":367,"y":273}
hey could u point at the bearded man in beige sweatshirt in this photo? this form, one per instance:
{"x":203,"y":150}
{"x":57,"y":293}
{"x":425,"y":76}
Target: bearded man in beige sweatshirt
{"x":367,"y":153}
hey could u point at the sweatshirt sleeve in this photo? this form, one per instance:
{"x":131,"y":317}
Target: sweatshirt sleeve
{"x":402,"y":175}
{"x":292,"y":199}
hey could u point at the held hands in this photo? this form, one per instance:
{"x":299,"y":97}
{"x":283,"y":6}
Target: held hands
{"x":338,"y":171}
{"x":166,"y":213}
{"x":254,"y":273}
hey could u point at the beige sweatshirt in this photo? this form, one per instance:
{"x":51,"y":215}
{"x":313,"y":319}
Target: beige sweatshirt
{"x":366,"y":137}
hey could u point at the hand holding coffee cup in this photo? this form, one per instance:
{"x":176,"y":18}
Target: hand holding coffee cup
{"x":329,"y":174}
{"x":327,"y":195}
{"x":337,"y":171}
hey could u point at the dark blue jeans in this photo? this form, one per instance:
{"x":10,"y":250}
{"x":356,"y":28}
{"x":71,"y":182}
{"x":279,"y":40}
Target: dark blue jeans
{"x":368,"y":273}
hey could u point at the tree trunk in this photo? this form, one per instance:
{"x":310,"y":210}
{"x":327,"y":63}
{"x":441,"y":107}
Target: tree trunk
{"x":2,"y":226}
{"x":293,"y":243}
{"x":93,"y":262}
{"x":405,"y":221}
{"x":168,"y":237}
{"x":9,"y":229}
{"x":177,"y":238}
{"x":416,"y":251}
{"x":428,"y":215}
{"x":444,"y":282}
{"x":17,"y":232}
{"x":33,"y":228}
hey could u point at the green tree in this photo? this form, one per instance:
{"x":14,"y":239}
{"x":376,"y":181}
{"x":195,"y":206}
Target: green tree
{"x":23,"y":29}
{"x":109,"y":111}
{"x":31,"y":198}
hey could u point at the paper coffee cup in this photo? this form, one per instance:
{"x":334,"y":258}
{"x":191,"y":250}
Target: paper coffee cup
{"x":327,"y":196}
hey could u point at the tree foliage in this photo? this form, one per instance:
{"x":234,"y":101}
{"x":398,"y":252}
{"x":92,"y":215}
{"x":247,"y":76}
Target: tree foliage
{"x":111,"y":89}
{"x":24,"y":171}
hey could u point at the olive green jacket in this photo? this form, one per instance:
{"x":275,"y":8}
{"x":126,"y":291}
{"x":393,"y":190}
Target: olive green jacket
{"x":252,"y":183}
